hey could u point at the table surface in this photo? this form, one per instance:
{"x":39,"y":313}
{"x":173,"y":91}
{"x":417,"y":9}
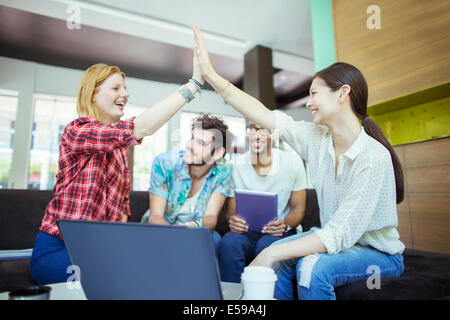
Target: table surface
{"x":73,"y":291}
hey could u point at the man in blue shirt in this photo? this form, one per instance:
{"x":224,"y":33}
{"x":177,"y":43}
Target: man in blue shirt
{"x":189,"y":187}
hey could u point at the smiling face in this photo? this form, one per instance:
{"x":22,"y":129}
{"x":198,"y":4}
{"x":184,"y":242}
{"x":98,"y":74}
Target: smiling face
{"x":199,"y":148}
{"x":323,"y":102}
{"x":258,"y":138}
{"x":110,"y":98}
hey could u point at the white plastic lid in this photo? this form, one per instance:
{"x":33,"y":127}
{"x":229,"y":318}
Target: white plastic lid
{"x":258,"y":274}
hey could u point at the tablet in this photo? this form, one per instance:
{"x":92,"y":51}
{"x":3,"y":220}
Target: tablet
{"x":256,"y":208}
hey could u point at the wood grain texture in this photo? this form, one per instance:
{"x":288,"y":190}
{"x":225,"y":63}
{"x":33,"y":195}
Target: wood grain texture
{"x":429,"y":179}
{"x":431,"y":234}
{"x":424,"y":215}
{"x":409,"y":53}
{"x":431,"y":153}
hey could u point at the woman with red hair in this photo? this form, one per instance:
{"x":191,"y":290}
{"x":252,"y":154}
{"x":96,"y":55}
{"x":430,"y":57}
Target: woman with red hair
{"x":93,"y":181}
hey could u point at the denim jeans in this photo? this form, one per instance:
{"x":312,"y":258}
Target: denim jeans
{"x":239,"y":249}
{"x":217,"y":238}
{"x":317,"y":275}
{"x":50,"y":260}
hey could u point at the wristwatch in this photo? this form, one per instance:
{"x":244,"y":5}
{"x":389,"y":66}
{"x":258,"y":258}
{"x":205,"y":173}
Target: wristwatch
{"x":288,"y":228}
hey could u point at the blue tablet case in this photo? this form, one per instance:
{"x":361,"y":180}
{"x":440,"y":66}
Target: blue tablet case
{"x":142,"y":261}
{"x":256,"y":208}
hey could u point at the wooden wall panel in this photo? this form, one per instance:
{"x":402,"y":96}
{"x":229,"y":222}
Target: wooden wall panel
{"x":424,"y":154}
{"x":424,"y":215}
{"x":404,"y":219}
{"x":431,"y":234}
{"x":429,"y":179}
{"x":429,"y":206}
{"x":404,"y":229}
{"x":409,"y":53}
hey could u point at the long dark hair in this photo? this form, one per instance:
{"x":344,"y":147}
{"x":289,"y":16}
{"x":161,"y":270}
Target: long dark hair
{"x":340,"y":73}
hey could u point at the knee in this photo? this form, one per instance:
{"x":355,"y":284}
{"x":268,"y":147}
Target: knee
{"x":264,"y":242}
{"x":312,"y":269}
{"x":233,"y":240}
{"x":216,"y":236}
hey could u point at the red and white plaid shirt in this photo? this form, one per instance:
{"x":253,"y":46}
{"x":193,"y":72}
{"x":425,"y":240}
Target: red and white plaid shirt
{"x":93,"y":181}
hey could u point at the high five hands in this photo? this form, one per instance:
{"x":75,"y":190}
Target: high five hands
{"x":202,"y":55}
{"x":196,"y":73}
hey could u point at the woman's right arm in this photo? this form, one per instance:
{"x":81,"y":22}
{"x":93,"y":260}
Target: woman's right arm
{"x":244,"y":103}
{"x":156,"y":116}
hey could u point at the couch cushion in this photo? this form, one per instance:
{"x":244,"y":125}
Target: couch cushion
{"x":426,"y":276}
{"x":21,"y":213}
{"x":139,"y":203}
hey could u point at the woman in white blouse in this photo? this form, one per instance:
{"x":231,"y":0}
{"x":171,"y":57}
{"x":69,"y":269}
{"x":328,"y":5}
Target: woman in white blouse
{"x":357,"y":177}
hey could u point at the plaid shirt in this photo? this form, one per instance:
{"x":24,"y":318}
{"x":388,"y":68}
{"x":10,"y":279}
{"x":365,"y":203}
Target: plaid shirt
{"x":93,"y":182}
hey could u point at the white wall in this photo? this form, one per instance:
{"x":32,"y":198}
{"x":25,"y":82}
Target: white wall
{"x":300,"y":113}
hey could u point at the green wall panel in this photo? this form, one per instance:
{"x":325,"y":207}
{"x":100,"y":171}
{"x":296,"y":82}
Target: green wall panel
{"x":425,"y":121}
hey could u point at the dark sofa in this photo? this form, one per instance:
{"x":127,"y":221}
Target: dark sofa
{"x":426,"y":276}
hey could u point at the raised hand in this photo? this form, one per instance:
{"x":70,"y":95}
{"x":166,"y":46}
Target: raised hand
{"x":202,"y":55}
{"x":196,"y":73}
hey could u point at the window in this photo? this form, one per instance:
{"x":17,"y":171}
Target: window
{"x":236,"y":125}
{"x":8,"y":110}
{"x":51,"y":115}
{"x":144,"y":153}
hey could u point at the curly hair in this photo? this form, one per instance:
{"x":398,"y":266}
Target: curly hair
{"x":222,"y":136}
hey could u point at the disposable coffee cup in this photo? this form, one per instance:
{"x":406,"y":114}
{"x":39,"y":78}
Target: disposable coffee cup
{"x":259,"y":283}
{"x":31,"y":293}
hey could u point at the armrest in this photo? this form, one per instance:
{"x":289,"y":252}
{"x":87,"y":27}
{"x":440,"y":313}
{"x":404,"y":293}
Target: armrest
{"x":15,"y":254}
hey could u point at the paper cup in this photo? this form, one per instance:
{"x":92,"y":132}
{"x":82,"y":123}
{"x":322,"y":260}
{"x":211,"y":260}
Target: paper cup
{"x":259,"y":283}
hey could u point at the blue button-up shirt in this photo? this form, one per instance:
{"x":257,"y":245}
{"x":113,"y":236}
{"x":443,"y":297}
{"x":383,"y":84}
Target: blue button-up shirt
{"x":170,"y":180}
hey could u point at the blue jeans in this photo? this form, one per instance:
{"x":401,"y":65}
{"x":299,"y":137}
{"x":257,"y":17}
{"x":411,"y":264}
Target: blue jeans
{"x":317,"y":275}
{"x":239,"y":249}
{"x":50,"y":260}
{"x":217,"y":238}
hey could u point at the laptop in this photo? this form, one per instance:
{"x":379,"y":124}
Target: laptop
{"x":256,"y":208}
{"x":141,"y":261}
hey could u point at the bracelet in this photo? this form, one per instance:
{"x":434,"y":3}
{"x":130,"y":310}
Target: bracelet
{"x":186,"y":93}
{"x":195,"y":82}
{"x":288,"y":228}
{"x":198,"y":222}
{"x":198,"y":85}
